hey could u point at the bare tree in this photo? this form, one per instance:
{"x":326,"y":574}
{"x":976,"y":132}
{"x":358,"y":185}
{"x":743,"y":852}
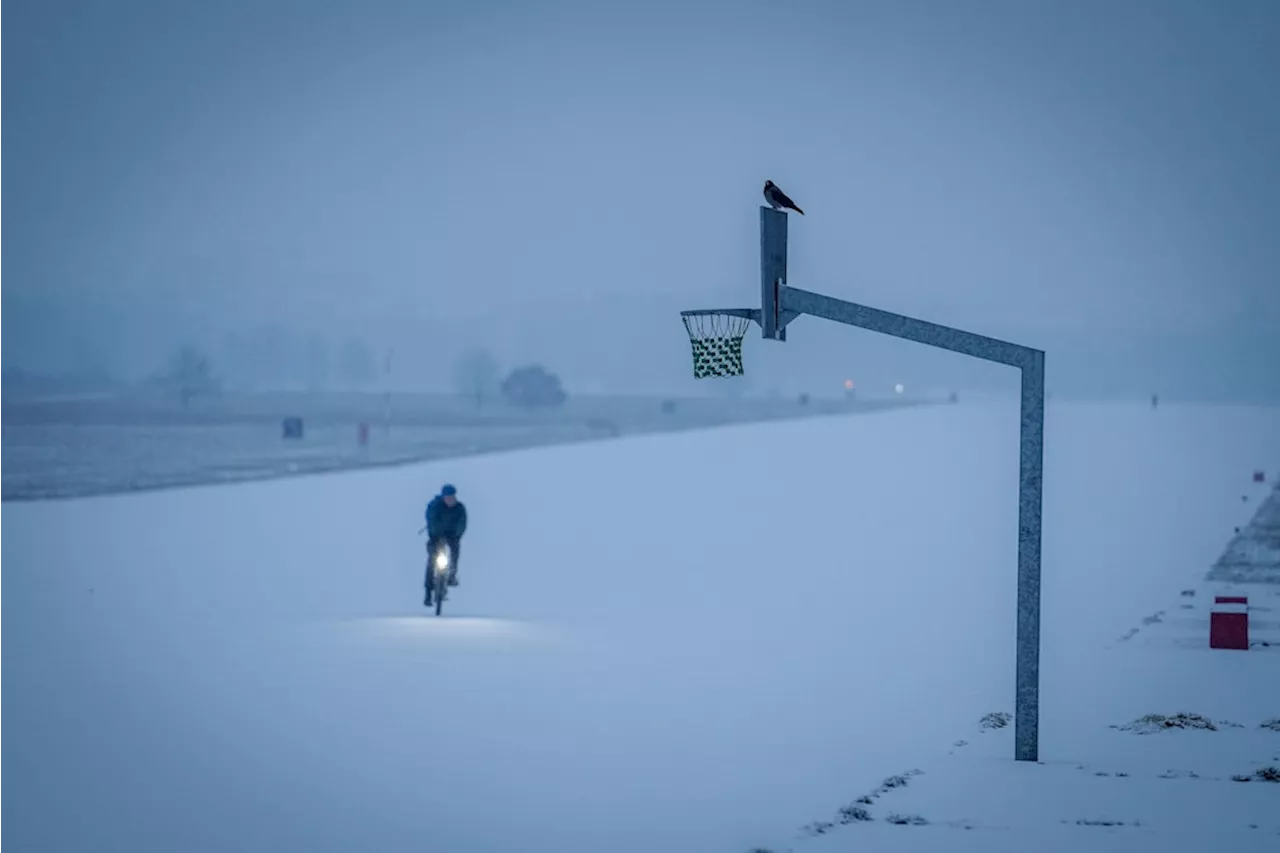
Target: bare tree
{"x":190,"y":375}
{"x":475,"y":374}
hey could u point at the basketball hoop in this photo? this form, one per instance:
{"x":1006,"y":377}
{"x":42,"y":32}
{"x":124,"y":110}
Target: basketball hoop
{"x":716,"y":338}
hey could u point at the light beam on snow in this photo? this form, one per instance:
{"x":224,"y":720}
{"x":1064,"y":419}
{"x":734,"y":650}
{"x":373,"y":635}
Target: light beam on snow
{"x":428,"y":628}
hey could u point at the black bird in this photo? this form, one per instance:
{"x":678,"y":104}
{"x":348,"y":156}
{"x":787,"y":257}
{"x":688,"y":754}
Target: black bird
{"x":777,"y":199}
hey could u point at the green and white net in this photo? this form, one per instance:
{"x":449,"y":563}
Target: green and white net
{"x":717,"y":343}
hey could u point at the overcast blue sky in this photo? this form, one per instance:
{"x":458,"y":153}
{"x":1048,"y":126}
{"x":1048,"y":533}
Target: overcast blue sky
{"x":553,"y":180}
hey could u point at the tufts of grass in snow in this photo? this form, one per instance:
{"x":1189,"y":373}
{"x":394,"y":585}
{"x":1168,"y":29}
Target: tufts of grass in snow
{"x":1152,"y":723}
{"x":1262,"y":774}
{"x":857,"y":811}
{"x":994,"y":720}
{"x":1179,"y":774}
{"x":893,"y":782}
{"x":818,"y":827}
{"x":854,"y":814}
{"x":907,"y":820}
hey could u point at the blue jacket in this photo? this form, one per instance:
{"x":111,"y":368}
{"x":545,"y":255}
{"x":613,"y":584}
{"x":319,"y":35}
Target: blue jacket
{"x":444,"y":521}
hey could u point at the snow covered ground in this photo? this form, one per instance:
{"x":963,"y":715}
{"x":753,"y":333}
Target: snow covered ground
{"x":76,"y":447}
{"x":704,"y":641}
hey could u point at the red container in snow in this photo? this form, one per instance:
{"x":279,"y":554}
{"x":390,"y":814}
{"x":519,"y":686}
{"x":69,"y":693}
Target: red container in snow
{"x":1229,"y":623}
{"x":1259,"y":476}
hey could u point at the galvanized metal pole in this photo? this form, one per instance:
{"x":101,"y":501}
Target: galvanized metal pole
{"x":1026,"y":722}
{"x":1030,"y":362}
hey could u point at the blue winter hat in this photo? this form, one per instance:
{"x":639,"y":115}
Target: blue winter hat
{"x":448,"y":490}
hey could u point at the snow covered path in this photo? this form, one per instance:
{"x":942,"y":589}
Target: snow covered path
{"x":656,"y":646}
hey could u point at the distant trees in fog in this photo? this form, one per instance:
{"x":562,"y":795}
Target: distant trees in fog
{"x":475,"y":375}
{"x":533,"y":386}
{"x":272,"y":357}
{"x":22,"y":382}
{"x":189,"y":374}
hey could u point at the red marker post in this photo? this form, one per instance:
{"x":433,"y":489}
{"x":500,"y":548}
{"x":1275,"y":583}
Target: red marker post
{"x":1229,"y":623}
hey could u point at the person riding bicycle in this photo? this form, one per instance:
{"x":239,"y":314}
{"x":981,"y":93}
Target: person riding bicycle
{"x":446,"y":522}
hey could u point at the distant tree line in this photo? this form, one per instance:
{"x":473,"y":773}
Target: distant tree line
{"x":267,"y":360}
{"x":21,"y":381}
{"x":476,"y":373}
{"x":274,"y":357}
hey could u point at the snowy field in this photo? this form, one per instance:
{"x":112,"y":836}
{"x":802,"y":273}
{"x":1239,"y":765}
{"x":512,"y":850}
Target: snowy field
{"x":706,"y":641}
{"x":104,"y":444}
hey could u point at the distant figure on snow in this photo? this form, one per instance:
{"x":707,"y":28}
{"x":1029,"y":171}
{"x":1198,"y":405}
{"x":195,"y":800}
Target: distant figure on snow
{"x":446,"y":522}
